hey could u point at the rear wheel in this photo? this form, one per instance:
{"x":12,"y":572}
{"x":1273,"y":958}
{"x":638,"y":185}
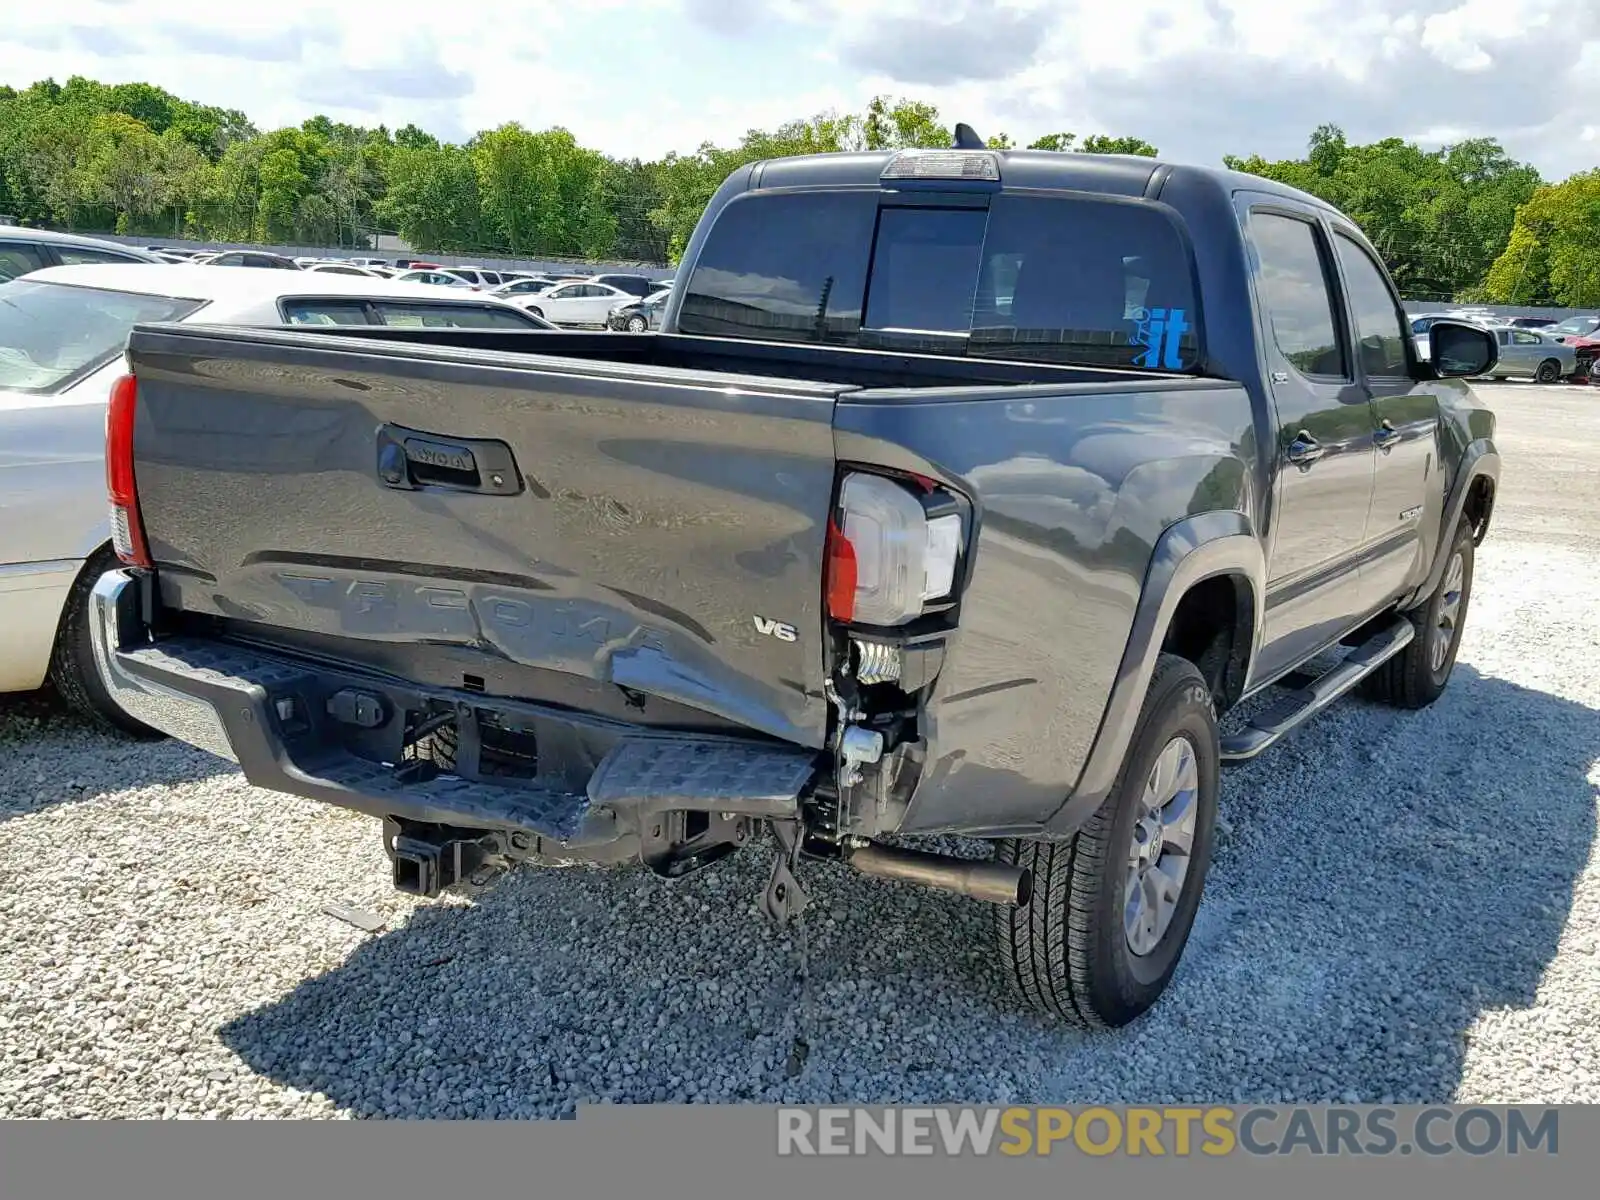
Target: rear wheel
{"x":1112,"y":907}
{"x":1549,"y":371}
{"x":73,"y":672}
{"x":1417,"y":676}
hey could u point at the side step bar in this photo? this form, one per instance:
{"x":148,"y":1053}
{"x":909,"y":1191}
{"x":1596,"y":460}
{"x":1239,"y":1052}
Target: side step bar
{"x":1300,"y":705}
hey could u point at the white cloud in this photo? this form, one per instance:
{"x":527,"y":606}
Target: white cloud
{"x":1199,"y":78}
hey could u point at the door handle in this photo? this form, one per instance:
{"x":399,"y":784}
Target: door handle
{"x":1305,"y":449}
{"x":1386,"y":436}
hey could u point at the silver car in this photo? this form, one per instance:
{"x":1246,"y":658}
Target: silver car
{"x":1536,"y":355}
{"x":62,"y":332}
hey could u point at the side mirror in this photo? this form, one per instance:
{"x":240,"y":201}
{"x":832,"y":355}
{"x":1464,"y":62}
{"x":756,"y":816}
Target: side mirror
{"x":1459,"y":350}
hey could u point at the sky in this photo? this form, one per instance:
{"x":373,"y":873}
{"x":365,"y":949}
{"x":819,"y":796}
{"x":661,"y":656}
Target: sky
{"x":1198,"y":78}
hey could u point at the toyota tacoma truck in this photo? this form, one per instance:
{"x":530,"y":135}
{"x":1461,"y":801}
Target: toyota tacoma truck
{"x":960,"y":492}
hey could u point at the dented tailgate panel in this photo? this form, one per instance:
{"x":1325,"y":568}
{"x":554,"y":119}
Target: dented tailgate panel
{"x":645,"y":528}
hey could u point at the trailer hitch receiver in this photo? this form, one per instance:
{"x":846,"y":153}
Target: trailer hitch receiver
{"x":426,"y":864}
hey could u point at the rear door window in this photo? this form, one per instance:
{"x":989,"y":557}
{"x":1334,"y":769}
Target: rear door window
{"x":75,"y":255}
{"x":1293,"y":280}
{"x":52,"y":334}
{"x":18,"y":258}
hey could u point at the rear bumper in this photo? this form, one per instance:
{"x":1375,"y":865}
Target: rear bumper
{"x":271,"y":715}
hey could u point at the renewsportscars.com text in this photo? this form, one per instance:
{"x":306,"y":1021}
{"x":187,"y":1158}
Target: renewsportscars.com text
{"x":1213,"y":1132}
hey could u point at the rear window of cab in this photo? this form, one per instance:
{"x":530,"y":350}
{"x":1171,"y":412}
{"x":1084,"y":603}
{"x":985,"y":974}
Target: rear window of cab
{"x":1026,"y":278}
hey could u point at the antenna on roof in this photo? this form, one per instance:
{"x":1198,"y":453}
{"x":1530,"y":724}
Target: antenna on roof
{"x":967,"y":138}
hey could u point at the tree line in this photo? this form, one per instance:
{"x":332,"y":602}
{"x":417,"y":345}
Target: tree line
{"x":1465,"y":222}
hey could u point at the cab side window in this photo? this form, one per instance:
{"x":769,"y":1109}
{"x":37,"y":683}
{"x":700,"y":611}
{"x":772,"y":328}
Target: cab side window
{"x":1380,"y":328}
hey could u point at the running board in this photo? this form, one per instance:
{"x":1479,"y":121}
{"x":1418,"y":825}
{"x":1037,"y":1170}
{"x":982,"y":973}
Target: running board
{"x":1300,"y":705}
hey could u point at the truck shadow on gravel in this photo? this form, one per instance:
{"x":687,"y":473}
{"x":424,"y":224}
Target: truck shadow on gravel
{"x":54,"y":756}
{"x":1384,"y":879}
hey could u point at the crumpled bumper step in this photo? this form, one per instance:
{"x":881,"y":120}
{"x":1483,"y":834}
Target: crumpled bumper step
{"x":696,"y":773}
{"x":221,"y":697}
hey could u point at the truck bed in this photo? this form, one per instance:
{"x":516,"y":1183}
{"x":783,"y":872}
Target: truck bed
{"x":633,"y":516}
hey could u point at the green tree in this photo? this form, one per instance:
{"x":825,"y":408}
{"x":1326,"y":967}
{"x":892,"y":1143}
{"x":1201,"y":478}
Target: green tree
{"x":1438,"y":218}
{"x":1099,"y":143}
{"x":1553,"y":255}
{"x":119,"y":167}
{"x":432,"y":198}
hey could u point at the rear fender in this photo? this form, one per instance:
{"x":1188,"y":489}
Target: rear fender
{"x":1193,"y":550}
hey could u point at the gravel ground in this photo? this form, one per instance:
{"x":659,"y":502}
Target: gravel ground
{"x":1404,"y":907}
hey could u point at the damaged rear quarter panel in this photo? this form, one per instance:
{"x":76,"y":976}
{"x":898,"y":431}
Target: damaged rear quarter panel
{"x":1071,"y":492}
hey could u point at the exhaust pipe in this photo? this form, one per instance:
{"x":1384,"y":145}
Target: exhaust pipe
{"x":992,"y":882}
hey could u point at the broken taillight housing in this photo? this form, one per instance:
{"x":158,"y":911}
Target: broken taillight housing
{"x":892,"y":552}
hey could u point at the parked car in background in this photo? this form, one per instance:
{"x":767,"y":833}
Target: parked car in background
{"x":25,"y":250}
{"x":1576,"y":327}
{"x":476,"y":276}
{"x":253,"y":258}
{"x":62,"y":332}
{"x":574,"y":303}
{"x":634,"y":285}
{"x":1524,"y":352}
{"x":637,"y":316}
{"x":342,"y":268}
{"x":1530,"y":322}
{"x":528,"y":286}
{"x":436,"y":279}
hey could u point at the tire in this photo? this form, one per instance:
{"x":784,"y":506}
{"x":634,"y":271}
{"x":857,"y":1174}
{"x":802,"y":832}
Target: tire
{"x":440,"y":746}
{"x":1549,"y":371}
{"x":1068,"y":952}
{"x":536,"y":311}
{"x":637,"y":324}
{"x":1417,"y":676}
{"x":72,"y":667}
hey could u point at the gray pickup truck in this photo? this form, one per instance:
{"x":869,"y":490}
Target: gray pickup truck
{"x":960,"y":492}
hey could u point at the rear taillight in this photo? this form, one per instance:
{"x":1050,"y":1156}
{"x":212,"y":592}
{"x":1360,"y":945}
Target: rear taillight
{"x":127,"y":529}
{"x":891,"y":552}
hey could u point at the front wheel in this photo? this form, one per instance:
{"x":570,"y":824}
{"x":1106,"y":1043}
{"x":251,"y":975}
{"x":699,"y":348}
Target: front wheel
{"x":1549,"y":371}
{"x":1111,"y":910}
{"x":637,"y":324}
{"x":1417,"y":676}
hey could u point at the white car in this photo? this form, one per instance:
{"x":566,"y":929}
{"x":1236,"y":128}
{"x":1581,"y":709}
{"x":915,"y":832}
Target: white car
{"x":476,"y":275}
{"x":435,"y":279}
{"x":574,"y":303}
{"x":526,"y":286}
{"x":340,"y":268}
{"x":62,"y":332}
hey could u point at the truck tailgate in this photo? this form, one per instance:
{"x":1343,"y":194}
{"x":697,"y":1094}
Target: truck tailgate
{"x":630,"y":525}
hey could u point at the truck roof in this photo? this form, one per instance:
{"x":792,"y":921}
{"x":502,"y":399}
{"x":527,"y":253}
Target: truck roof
{"x":1114,"y":174}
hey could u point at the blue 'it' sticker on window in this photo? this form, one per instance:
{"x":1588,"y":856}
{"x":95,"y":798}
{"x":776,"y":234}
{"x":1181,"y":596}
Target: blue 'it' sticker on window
{"x":1159,"y":331}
